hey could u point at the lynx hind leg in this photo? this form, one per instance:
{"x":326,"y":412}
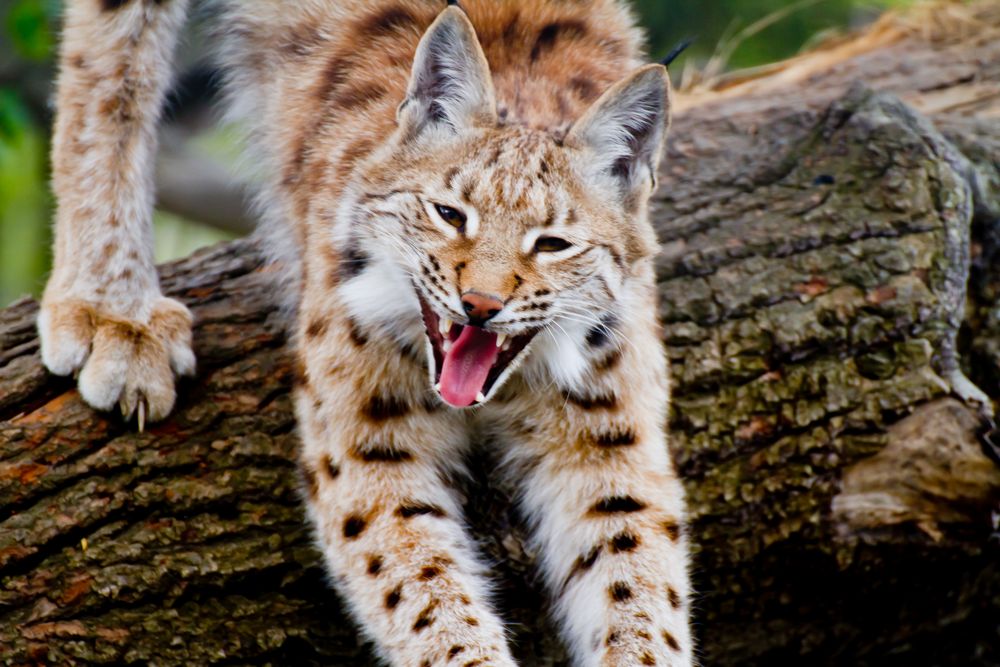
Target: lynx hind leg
{"x":103,"y":314}
{"x":391,"y":531}
{"x":608,"y":513}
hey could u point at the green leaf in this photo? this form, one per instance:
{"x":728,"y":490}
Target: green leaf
{"x":29,"y":28}
{"x":14,"y":116}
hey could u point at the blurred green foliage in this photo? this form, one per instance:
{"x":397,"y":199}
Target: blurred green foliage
{"x":28,"y":30}
{"x":29,"y":26}
{"x":717,"y":23}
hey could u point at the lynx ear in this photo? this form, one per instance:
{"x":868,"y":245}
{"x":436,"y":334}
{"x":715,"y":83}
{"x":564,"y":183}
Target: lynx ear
{"x":450,"y":87}
{"x":623,"y":133}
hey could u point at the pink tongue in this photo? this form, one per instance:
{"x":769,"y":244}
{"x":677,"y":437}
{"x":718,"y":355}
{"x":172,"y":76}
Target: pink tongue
{"x":466,"y":366}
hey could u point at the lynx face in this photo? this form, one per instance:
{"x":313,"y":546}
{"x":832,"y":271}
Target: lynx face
{"x":497,"y":237}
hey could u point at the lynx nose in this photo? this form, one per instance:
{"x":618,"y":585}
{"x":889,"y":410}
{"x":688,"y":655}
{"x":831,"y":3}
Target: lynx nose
{"x":480,"y":307}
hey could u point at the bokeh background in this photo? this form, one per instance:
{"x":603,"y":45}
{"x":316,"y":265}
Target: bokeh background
{"x":200,"y":199}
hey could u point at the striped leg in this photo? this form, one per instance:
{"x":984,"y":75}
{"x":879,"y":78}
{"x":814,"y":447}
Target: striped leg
{"x":389,"y":527}
{"x":608,"y":510}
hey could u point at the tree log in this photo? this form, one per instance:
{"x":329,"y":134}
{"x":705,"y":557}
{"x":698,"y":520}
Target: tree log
{"x":829,"y":268}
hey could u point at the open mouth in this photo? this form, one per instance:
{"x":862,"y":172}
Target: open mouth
{"x":469,"y":360}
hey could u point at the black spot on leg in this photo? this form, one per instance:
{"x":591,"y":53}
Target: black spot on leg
{"x":380,"y":408}
{"x":595,"y":402}
{"x":620,"y":592}
{"x":353,"y":526}
{"x":455,"y":650}
{"x":672,"y":529}
{"x":429,"y":572}
{"x":674,"y":597}
{"x":471,"y":620}
{"x":331,"y":468}
{"x":374,"y":565}
{"x":671,"y":641}
{"x":582,"y":564}
{"x":425,"y":618}
{"x":624,"y":542}
{"x":413,"y":509}
{"x":393,"y":597}
{"x":616,"y":504}
{"x":621,"y":438}
{"x":647,"y":658}
{"x":381,"y":454}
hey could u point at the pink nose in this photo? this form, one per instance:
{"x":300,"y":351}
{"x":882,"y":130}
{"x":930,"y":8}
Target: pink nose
{"x":480,"y":307}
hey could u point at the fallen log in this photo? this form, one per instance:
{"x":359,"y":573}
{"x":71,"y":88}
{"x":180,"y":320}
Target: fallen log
{"x":829,"y":278}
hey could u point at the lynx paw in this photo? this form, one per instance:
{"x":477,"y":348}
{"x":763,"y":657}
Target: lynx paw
{"x":119,"y":361}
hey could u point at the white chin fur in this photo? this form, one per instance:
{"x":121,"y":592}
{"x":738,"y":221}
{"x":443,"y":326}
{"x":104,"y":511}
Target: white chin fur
{"x":559,"y":353}
{"x":383,"y":296}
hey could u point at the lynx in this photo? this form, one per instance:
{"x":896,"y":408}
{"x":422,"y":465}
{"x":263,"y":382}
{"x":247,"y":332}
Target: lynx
{"x":459,"y":194}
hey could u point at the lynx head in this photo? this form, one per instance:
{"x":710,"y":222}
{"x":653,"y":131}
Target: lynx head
{"x":498,"y":235}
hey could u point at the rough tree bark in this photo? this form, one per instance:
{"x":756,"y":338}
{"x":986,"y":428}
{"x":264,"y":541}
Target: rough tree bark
{"x":817,"y":243}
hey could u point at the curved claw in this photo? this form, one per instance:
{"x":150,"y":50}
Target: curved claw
{"x":142,"y":414}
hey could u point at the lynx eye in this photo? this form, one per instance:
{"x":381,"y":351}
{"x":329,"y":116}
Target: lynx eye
{"x":452,"y":216}
{"x":551,"y":244}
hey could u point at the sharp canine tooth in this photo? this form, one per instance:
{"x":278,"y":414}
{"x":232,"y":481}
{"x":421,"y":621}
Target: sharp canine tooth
{"x":480,"y":398}
{"x":446,"y":346}
{"x":437,"y":387}
{"x":501,"y":339}
{"x":444,"y":326}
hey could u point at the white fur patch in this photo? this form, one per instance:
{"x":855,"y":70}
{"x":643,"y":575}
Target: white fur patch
{"x":382,"y":294}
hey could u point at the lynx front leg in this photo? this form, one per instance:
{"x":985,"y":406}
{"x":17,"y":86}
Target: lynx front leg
{"x":390,"y":530}
{"x":608,"y":513}
{"x":103,"y":314}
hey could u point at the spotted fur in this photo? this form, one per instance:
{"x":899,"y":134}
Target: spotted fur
{"x":366,"y":117}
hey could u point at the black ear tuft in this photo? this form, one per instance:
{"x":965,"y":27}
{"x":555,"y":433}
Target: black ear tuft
{"x":676,"y":51}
